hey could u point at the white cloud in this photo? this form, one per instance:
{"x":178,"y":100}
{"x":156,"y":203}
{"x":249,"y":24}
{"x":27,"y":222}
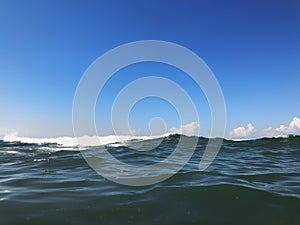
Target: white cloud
{"x":292,"y":128}
{"x":190,"y":129}
{"x":283,"y":130}
{"x":243,"y":132}
{"x":295,"y":124}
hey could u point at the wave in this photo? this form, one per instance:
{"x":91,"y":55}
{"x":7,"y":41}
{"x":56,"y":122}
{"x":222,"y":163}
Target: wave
{"x":84,"y":141}
{"x":123,"y":140}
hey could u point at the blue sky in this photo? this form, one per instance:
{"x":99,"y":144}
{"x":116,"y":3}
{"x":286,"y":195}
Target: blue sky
{"x":253,"y":48}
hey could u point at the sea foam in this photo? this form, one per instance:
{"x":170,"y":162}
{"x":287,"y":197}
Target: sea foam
{"x":80,"y":141}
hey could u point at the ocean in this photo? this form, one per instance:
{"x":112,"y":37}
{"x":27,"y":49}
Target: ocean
{"x":249,"y":182}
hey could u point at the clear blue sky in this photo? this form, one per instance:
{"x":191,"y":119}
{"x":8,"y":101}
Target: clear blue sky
{"x":253,"y":48}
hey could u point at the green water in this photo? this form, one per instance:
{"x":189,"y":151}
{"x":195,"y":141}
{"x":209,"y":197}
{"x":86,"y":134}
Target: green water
{"x":250,"y":182}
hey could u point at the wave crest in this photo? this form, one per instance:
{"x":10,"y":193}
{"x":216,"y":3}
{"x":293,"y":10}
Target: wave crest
{"x":86,"y":141}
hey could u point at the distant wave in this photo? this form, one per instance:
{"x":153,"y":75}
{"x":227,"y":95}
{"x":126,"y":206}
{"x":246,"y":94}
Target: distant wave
{"x":86,"y":141}
{"x":263,"y":138}
{"x":114,"y":140}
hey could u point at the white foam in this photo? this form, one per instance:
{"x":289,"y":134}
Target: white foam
{"x":13,"y":152}
{"x":80,"y":141}
{"x":39,"y":160}
{"x":240,"y":139}
{"x":282,"y":136}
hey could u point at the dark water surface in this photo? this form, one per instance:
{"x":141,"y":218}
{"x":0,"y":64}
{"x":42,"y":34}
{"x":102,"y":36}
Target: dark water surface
{"x":250,"y":182}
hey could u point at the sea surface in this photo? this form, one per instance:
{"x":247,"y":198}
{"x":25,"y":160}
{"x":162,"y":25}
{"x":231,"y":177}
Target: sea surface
{"x":249,"y":182}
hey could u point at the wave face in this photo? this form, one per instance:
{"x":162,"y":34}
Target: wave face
{"x":250,"y":182}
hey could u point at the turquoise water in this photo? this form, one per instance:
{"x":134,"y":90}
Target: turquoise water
{"x":250,"y":182}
